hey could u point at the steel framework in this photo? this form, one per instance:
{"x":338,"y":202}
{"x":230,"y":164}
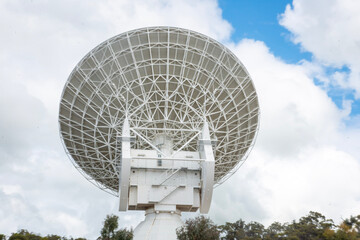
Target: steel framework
{"x":165,"y":80}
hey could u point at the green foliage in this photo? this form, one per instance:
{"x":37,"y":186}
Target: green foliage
{"x":348,"y":230}
{"x":110,"y":232}
{"x":53,"y":237}
{"x":234,"y":230}
{"x":274,"y":232}
{"x":200,"y":228}
{"x":241,"y":230}
{"x":123,"y":234}
{"x":254,"y":231}
{"x":26,"y":235}
{"x":354,"y":224}
{"x":313,"y":226}
{"x":110,"y":225}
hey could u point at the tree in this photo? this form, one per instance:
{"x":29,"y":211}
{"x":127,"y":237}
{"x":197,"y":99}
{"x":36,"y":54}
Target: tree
{"x":24,"y":235}
{"x":110,"y":225}
{"x":254,"y":231}
{"x":241,"y":230}
{"x":349,"y":229}
{"x":314,"y":226}
{"x":123,"y":234}
{"x":2,"y":237}
{"x":354,"y":224}
{"x":53,"y":237}
{"x":344,"y":232}
{"x":200,"y":228}
{"x":16,"y":236}
{"x":274,"y":232}
{"x":110,"y":232}
{"x":233,"y":231}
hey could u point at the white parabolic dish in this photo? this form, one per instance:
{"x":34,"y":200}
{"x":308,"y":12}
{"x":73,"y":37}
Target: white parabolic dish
{"x":162,"y":79}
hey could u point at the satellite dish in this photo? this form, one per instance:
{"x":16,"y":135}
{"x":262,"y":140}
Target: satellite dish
{"x":158,"y":116}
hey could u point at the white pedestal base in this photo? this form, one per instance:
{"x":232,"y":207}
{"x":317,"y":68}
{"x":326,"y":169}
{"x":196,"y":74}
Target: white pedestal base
{"x":158,"y":226}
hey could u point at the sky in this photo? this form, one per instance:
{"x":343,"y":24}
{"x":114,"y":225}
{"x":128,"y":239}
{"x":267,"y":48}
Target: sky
{"x":304,"y":59}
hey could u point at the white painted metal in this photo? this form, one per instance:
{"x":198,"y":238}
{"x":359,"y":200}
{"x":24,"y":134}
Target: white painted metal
{"x":164,"y":183}
{"x":124,"y":176}
{"x":158,"y":226}
{"x":207,"y":169}
{"x":166,"y":81}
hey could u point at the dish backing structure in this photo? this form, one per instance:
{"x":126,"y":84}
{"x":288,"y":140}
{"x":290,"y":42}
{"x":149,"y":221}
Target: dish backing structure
{"x":158,"y":116}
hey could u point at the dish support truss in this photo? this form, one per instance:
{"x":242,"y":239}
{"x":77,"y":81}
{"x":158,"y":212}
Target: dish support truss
{"x":159,"y":77}
{"x":164,"y":182}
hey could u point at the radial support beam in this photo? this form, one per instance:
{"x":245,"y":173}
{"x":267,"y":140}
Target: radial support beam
{"x":208,"y":167}
{"x":125,"y":166}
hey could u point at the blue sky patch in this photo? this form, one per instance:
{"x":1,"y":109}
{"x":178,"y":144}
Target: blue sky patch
{"x":259,"y":20}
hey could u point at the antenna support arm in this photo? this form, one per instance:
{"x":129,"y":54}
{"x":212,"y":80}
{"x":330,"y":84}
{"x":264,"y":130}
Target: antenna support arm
{"x":208,"y":168}
{"x":125,"y":166}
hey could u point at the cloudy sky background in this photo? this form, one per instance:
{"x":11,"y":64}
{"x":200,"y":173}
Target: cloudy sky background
{"x":303,"y":56}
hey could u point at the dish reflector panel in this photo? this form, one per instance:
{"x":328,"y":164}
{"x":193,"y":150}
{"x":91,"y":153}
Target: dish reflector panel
{"x":166,"y":80}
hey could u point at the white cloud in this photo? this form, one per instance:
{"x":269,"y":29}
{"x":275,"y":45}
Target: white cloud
{"x":203,"y":16}
{"x":329,"y":30}
{"x":294,"y":112}
{"x":281,"y":189}
{"x":320,"y":179}
{"x":300,"y":162}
